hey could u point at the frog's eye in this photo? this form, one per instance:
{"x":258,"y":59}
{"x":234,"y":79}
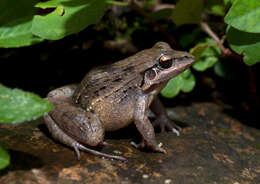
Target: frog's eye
{"x":165,"y":62}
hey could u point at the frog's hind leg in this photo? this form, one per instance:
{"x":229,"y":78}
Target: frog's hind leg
{"x":73,"y":125}
{"x":60,"y":135}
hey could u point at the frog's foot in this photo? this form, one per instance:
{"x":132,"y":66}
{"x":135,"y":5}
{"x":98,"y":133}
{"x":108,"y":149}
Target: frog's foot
{"x":60,"y":135}
{"x":157,"y":148}
{"x":165,"y":123}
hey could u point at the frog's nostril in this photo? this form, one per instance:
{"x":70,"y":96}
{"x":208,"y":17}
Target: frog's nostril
{"x":188,"y":57}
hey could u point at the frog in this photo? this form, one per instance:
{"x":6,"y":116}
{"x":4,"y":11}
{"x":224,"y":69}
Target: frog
{"x":110,"y":97}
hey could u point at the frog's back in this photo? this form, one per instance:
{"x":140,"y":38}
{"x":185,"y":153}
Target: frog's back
{"x":101,"y":83}
{"x":104,"y":81}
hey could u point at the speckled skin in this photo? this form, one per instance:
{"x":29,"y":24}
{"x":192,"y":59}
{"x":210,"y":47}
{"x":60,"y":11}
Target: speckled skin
{"x":110,"y":97}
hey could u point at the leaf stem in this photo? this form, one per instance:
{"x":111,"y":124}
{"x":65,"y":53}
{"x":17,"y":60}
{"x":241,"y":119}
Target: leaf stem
{"x":225,"y":51}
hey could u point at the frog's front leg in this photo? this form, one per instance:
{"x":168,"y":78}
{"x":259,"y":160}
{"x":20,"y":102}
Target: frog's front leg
{"x":144,"y":126}
{"x":74,"y":126}
{"x":161,"y":117}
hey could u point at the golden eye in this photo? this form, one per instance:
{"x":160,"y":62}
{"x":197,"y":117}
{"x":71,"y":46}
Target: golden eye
{"x":165,"y":62}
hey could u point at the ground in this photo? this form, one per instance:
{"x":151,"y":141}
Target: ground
{"x":213,"y":148}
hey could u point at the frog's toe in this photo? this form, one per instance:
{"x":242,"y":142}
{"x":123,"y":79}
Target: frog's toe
{"x":161,"y":150}
{"x":158,"y":148}
{"x":176,"y":131}
{"x":77,"y":151}
{"x":166,"y":124}
{"x":138,"y":146}
{"x":174,"y":128}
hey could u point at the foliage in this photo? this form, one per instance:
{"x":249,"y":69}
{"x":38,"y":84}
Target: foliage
{"x":31,"y":22}
{"x":243,"y":33}
{"x":4,"y":158}
{"x":17,"y":106}
{"x":66,"y":17}
{"x":184,"y":82}
{"x":244,"y":15}
{"x":206,"y":54}
{"x":184,"y":13}
{"x":15,"y":23}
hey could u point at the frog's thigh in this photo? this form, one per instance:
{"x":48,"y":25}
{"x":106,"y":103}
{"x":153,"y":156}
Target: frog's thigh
{"x":58,"y":134}
{"x":82,"y":126}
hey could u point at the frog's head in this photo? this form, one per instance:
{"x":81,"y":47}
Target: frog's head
{"x":169,"y":63}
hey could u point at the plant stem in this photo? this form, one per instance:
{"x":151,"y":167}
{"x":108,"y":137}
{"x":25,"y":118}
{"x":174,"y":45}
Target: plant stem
{"x":225,"y":51}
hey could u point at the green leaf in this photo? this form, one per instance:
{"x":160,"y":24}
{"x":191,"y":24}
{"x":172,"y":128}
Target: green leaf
{"x":226,"y":2}
{"x":161,"y":14}
{"x":188,"y":81}
{"x":184,"y":82}
{"x":205,"y":63}
{"x":66,"y":17}
{"x":17,"y":106}
{"x":216,"y":7}
{"x":18,"y":35}
{"x":198,"y":50}
{"x":188,"y":12}
{"x":218,"y":10}
{"x":206,"y":54}
{"x":172,"y":88}
{"x":15,"y":23}
{"x":11,"y":10}
{"x":244,"y":15}
{"x":4,"y":158}
{"x":245,"y":43}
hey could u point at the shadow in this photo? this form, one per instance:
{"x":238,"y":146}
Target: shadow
{"x":21,"y":161}
{"x":43,"y":128}
{"x":127,"y":132}
{"x":249,"y":118}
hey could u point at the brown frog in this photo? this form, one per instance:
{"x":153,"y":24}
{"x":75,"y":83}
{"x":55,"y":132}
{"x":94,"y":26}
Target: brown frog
{"x":112,"y":96}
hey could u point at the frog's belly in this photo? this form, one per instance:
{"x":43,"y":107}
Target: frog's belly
{"x":115,"y":115}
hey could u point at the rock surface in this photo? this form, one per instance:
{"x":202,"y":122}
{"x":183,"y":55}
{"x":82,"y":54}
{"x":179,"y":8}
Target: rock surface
{"x":212,"y":148}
